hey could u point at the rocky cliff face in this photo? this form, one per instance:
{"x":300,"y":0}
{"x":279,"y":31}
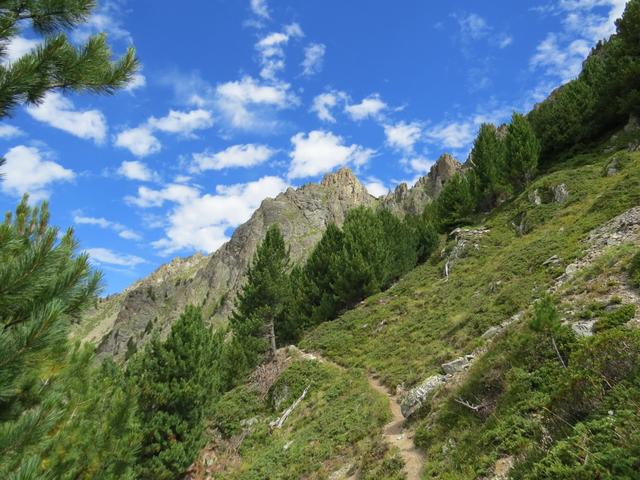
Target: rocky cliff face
{"x":405,"y":200}
{"x":121,"y":323}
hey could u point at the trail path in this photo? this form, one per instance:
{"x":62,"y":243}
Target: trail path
{"x":394,"y":432}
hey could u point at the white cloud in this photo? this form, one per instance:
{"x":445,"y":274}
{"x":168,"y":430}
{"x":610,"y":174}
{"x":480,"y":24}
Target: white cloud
{"x":376,"y":187}
{"x":419,"y":164}
{"x":453,"y":134}
{"x":372,"y":106}
{"x":320,"y":152}
{"x":313,"y":58}
{"x":403,"y":136}
{"x":135,"y":170}
{"x":260,"y":8}
{"x":105,"y":255}
{"x":561,"y":54}
{"x":271,"y":50}
{"x":27,"y":170}
{"x":121,"y":230}
{"x":139,"y":140}
{"x":472,"y":26}
{"x":9,"y":131}
{"x":242,"y":156}
{"x":176,"y":193}
{"x":202,"y":222}
{"x":138,"y":81}
{"x":106,"y":19}
{"x":59,"y":112}
{"x":246,"y":103}
{"x":325,"y":102}
{"x":183,"y":123}
{"x":17,"y":47}
{"x":504,"y":40}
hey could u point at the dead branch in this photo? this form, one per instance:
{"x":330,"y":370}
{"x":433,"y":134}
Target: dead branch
{"x":283,"y":418}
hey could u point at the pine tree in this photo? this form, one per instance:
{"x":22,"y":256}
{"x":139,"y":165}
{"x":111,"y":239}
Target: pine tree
{"x":456,"y":203}
{"x":365,"y":258}
{"x":44,"y":285}
{"x":425,"y":234}
{"x":175,"y":381}
{"x":56,"y":64}
{"x":523,"y":151}
{"x":261,"y":306}
{"x":488,"y":156}
{"x":99,"y":435}
{"x":402,"y":244}
{"x":316,"y":299}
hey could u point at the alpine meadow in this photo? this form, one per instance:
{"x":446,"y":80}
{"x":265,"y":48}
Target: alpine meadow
{"x":322,"y":240}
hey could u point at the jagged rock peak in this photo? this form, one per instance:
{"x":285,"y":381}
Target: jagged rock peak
{"x":342,"y":179}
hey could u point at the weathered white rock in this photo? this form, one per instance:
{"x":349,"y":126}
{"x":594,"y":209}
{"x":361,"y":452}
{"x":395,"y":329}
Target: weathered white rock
{"x":419,"y":395}
{"x":583,"y":328}
{"x":457,"y":365}
{"x":560,"y":193}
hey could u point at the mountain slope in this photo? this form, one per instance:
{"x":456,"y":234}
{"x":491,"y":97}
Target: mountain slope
{"x":122,"y":323}
{"x":509,"y":408}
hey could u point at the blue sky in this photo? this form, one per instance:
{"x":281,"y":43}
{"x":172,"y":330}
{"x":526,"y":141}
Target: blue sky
{"x":238,"y":99}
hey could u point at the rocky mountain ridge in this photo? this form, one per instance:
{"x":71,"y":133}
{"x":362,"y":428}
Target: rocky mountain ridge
{"x":121,"y":323}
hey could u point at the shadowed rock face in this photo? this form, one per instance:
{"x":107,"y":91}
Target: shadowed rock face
{"x":123,"y":322}
{"x":404,"y":200}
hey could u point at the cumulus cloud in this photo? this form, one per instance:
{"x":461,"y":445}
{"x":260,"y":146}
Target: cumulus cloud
{"x":138,"y":81}
{"x":182,"y":123}
{"x":324,"y":103}
{"x":319,"y":152}
{"x":271,"y":50}
{"x":9,"y":131}
{"x":107,"y":18}
{"x":452,"y":134}
{"x":59,"y":112}
{"x":376,"y":187}
{"x":242,"y":156}
{"x":140,"y":141}
{"x":176,"y":193}
{"x":109,"y":257}
{"x":27,"y":170}
{"x":201,"y":221}
{"x":419,"y":164}
{"x":103,"y":223}
{"x":313,"y":59}
{"x":17,"y":47}
{"x":370,"y":107}
{"x":135,"y":170}
{"x":246,"y":103}
{"x":402,"y":135}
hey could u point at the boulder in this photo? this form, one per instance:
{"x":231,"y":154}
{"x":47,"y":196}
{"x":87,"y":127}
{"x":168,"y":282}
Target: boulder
{"x":457,"y":365}
{"x":583,"y":328}
{"x":419,"y":395}
{"x":560,"y":193}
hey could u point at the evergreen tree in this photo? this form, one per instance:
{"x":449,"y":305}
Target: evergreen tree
{"x":365,"y":257}
{"x":523,"y":151}
{"x":44,"y":285}
{"x":56,"y":64}
{"x":488,"y":156}
{"x":175,"y":382}
{"x":456,"y":203}
{"x":402,"y":245}
{"x":261,"y":308}
{"x":99,"y":435}
{"x":425,"y":234}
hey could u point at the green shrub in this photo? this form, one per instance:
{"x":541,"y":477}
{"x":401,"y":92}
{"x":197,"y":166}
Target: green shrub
{"x":616,"y":318}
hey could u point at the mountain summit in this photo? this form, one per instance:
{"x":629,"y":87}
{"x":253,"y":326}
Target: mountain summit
{"x":122,"y":322}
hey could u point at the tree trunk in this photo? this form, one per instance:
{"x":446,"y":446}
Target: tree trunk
{"x":272,"y":334}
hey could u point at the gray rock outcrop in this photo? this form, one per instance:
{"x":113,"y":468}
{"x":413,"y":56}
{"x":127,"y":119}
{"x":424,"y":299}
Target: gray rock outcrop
{"x":419,"y":395}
